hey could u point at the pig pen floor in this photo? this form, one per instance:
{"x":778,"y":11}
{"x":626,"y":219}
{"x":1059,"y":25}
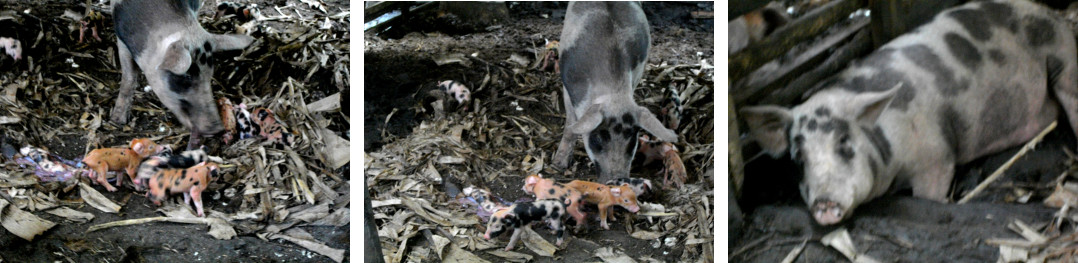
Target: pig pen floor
{"x":60,"y":81}
{"x":396,"y":70}
{"x":899,"y":227}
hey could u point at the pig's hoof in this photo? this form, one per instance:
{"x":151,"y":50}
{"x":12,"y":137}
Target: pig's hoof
{"x":117,"y":117}
{"x":508,"y":248}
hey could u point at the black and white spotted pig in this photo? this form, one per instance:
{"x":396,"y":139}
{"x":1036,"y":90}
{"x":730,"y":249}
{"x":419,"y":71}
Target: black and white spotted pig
{"x":603,"y":49}
{"x":524,"y":213}
{"x":186,"y":159}
{"x":977,"y":79}
{"x":175,"y":53}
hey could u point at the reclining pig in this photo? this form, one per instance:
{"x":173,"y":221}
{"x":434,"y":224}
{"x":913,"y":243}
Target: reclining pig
{"x":176,"y":54}
{"x":977,"y":79}
{"x":603,"y":49}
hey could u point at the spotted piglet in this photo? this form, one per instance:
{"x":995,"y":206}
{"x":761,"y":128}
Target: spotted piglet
{"x":245,"y":126}
{"x":548,"y":189}
{"x":184,"y":160}
{"x":228,"y":119}
{"x":271,"y":128}
{"x":191,"y":182}
{"x":165,"y":40}
{"x":101,"y":161}
{"x":524,"y":214}
{"x":640,"y":186}
{"x":606,"y":197}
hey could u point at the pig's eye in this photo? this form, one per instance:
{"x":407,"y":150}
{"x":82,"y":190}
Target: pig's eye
{"x":845,"y":139}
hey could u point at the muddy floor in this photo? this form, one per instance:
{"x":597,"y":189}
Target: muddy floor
{"x":60,"y":82}
{"x":399,"y":69}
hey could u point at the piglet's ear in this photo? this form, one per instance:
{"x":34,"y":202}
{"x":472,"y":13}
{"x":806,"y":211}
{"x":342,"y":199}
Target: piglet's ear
{"x":615,"y":191}
{"x":177,"y":59}
{"x":231,"y":41}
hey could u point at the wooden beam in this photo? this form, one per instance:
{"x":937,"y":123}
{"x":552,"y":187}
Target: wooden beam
{"x":805,"y":84}
{"x":761,"y":83}
{"x":891,"y":18}
{"x":380,"y":8}
{"x":779,"y":42}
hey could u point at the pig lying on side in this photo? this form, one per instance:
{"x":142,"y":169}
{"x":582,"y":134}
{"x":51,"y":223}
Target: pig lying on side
{"x":978,"y":79}
{"x":175,"y":53}
{"x":603,"y":50}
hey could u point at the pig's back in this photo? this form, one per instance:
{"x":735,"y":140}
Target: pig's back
{"x":136,"y":20}
{"x":978,"y":74}
{"x":601,"y":43}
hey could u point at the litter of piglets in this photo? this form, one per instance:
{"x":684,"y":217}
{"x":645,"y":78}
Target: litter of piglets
{"x":243,"y":129}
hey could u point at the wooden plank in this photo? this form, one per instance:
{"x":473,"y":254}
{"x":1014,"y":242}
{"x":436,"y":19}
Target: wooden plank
{"x":378,"y":9}
{"x":762,"y":83}
{"x":891,"y":18}
{"x":778,"y":43}
{"x":805,"y":84}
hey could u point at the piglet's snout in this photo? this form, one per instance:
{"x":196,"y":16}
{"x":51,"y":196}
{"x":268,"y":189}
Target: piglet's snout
{"x":827,"y":212}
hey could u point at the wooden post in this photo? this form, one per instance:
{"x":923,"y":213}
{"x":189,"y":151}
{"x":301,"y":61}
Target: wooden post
{"x":737,"y":166}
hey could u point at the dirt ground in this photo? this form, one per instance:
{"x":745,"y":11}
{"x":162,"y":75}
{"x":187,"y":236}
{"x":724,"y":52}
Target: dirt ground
{"x":400,"y":65}
{"x":83,"y":78}
{"x":774,"y":219}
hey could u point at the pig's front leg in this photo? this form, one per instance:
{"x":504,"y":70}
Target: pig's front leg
{"x":568,"y":139}
{"x":603,"y":210}
{"x":196,"y":139}
{"x":127,"y":84}
{"x":934,"y":183}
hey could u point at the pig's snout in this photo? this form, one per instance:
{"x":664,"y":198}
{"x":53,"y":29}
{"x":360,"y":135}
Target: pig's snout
{"x":827,"y":212}
{"x":634,"y":209}
{"x":486,"y":236}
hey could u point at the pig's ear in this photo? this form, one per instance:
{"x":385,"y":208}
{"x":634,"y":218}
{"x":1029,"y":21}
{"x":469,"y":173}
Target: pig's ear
{"x":649,"y":123}
{"x":615,"y":191}
{"x":231,"y":41}
{"x":767,"y":125}
{"x":177,"y":59}
{"x":591,"y":119}
{"x":137,"y":147}
{"x":869,"y":106}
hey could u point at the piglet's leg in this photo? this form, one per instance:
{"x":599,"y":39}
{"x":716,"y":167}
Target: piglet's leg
{"x":197,"y":196}
{"x":603,"y":210}
{"x":559,"y":229}
{"x":513,"y":240}
{"x":186,"y":198}
{"x":102,"y":177}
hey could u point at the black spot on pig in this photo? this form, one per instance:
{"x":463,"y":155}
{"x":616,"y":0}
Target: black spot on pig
{"x":845,"y":152}
{"x":928,"y":60}
{"x":842,"y":127}
{"x":1001,"y":14}
{"x":571,"y":60}
{"x":827,"y":126}
{"x":823,"y":112}
{"x":181,"y":84}
{"x":878,"y":140}
{"x":1039,"y":31}
{"x":952,"y":126}
{"x":630,"y":151}
{"x":206,"y":45}
{"x":811,"y":125}
{"x":185,"y":107}
{"x":963,"y":50}
{"x":177,"y":182}
{"x":196,"y":183}
{"x":551,"y":191}
{"x":1005,"y":120}
{"x":183,"y":175}
{"x":974,"y":21}
{"x":997,"y":56}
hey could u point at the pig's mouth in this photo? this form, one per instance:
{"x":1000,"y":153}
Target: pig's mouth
{"x":827,"y":212}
